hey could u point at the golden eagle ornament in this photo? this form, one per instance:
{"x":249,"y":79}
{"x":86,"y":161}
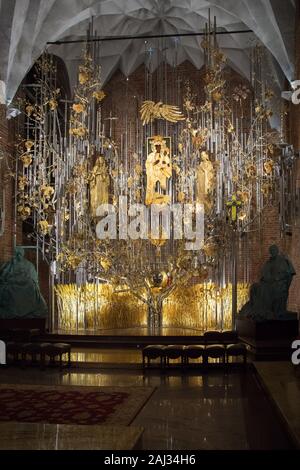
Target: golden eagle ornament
{"x":151,"y":110}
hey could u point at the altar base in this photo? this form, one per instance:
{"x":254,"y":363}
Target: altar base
{"x":269,"y":340}
{"x":268,"y":330}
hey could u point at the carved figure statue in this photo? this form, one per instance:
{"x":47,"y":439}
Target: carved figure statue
{"x":99,"y":185}
{"x":268,"y":298}
{"x":159,"y":171}
{"x":20,"y":296}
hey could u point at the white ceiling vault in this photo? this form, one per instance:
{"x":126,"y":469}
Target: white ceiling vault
{"x":27,"y":25}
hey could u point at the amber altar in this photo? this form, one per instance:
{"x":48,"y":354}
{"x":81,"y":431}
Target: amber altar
{"x":199,"y":307}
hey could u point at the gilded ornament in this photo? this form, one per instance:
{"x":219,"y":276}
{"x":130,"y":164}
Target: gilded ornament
{"x":268,"y":167}
{"x":138,"y":169}
{"x":44,"y":227}
{"x":251,"y":170}
{"x":210,"y":249}
{"x":243,"y":196}
{"x":138,"y":195}
{"x":53,"y":104}
{"x":26,"y":159}
{"x":181,"y":196}
{"x":189,"y":105}
{"x":29,"y":109}
{"x":84,"y":75}
{"x":269,"y":94}
{"x":47,"y":191}
{"x":151,"y":110}
{"x":105,"y":264}
{"x":242,"y":216}
{"x":23,"y":211}
{"x":266,"y":188}
{"x":176,"y":169}
{"x":158,"y":242}
{"x":22,"y":182}
{"x":130,"y":182}
{"x":240,"y":93}
{"x":79,"y":131}
{"x":199,"y":138}
{"x":99,"y":95}
{"x":217,"y":96}
{"x":78,"y":108}
{"x":28,"y":145}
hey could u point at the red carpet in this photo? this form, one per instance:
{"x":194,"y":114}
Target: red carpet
{"x":71,"y":405}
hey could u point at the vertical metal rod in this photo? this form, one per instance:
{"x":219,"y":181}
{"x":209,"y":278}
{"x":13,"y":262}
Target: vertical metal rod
{"x":234,"y":278}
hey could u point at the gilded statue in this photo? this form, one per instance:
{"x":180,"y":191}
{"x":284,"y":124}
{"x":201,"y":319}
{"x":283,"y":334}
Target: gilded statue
{"x":205,"y":179}
{"x":99,"y":185}
{"x":159,"y":171}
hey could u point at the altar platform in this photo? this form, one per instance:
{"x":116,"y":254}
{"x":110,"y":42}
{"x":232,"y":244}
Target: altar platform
{"x":124,"y":337}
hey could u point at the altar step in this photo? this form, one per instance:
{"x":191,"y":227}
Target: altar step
{"x":103,"y":341}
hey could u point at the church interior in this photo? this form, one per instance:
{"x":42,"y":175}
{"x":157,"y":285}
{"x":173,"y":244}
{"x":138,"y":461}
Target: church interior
{"x":149,"y":225}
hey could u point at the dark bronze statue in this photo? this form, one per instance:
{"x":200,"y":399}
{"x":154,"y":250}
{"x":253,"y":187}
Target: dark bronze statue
{"x":20,"y":296}
{"x":269,"y":297}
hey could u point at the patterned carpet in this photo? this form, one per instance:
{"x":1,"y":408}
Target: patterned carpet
{"x":71,"y":405}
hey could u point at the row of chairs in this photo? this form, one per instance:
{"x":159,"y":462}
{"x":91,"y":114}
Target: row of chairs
{"x":23,"y":343}
{"x":19,"y":352}
{"x":191,"y":352}
{"x":221,"y":345}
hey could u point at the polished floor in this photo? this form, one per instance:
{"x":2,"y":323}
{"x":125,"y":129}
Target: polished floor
{"x":215,"y":410}
{"x":281,"y":381}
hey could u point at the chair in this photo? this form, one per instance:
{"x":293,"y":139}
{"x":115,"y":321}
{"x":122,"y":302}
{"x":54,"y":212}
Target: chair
{"x":229,"y":337}
{"x":212,"y":337}
{"x":173,"y":352}
{"x":235,"y":350}
{"x":55,"y":350}
{"x":33,"y":350}
{"x":153,"y":351}
{"x":193,"y":351}
{"x":214,"y":351}
{"x":14,"y":349}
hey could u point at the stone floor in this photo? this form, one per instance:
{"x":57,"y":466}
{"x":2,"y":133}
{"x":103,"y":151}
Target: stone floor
{"x":215,"y":410}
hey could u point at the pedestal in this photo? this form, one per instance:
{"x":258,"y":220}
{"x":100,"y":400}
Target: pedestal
{"x":23,"y":323}
{"x":270,"y":339}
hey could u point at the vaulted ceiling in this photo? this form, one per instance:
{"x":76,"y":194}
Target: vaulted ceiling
{"x":27,"y":25}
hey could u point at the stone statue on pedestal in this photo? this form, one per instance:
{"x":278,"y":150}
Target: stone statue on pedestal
{"x":269,"y":297}
{"x":20,"y":295}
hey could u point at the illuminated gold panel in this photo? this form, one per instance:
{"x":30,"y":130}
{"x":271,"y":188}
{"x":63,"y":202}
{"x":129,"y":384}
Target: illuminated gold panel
{"x":202,"y":306}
